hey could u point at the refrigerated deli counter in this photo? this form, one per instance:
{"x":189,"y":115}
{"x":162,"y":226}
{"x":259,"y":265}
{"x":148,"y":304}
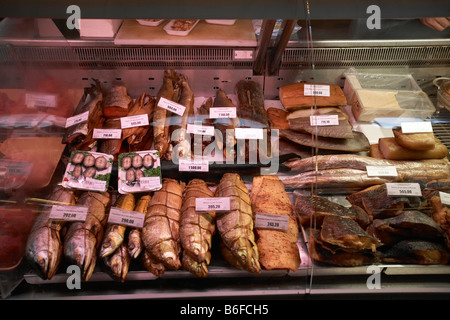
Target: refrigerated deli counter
{"x":295,"y":150}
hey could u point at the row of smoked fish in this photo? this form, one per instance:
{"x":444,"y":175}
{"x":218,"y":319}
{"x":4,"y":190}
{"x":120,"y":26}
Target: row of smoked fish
{"x":174,"y":235}
{"x":378,"y":228}
{"x":372,"y":226}
{"x":106,"y":107}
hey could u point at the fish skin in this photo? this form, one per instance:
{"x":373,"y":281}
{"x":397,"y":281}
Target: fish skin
{"x":343,"y":130}
{"x":161,"y":117}
{"x":178,"y":124}
{"x":135,"y":135}
{"x":111,"y":146}
{"x":235,"y":227}
{"x":152,"y":265}
{"x":83,"y":239}
{"x":410,"y":224}
{"x":225,"y":142}
{"x":196,"y":229}
{"x":79,"y":137}
{"x":44,"y":246}
{"x":358,"y":143}
{"x":115,"y":233}
{"x":135,"y":243}
{"x":317,"y":207}
{"x":160,"y":233}
{"x":347,"y":234}
{"x":251,"y":111}
{"x":118,"y":263}
{"x":416,"y":252}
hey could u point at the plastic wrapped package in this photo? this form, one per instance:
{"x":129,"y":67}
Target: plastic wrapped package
{"x":373,"y":95}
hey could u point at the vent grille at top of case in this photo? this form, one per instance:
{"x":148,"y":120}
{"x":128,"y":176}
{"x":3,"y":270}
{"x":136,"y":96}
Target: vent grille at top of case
{"x":138,"y":57}
{"x":372,"y":56}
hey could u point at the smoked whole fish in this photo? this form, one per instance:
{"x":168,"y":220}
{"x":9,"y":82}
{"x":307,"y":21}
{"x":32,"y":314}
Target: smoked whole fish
{"x":135,"y":243}
{"x":235,"y":226}
{"x":196,"y":229}
{"x":161,"y":117}
{"x":115,"y":233}
{"x":160,"y":233}
{"x":83,"y":239}
{"x":79,"y":136}
{"x":44,"y":247}
{"x":118,"y":263}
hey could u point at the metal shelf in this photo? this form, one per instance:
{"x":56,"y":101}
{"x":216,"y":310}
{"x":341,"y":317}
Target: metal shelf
{"x":224,"y":9}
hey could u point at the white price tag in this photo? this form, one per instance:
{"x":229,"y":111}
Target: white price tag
{"x":416,"y":127}
{"x":107,"y":133}
{"x":403,"y":189}
{"x":33,"y":100}
{"x":271,"y":221}
{"x":445,"y":198}
{"x":171,"y":106}
{"x":194,"y":166}
{"x":330,"y":120}
{"x":248,"y":133}
{"x":212,"y":204}
{"x":93,"y":184}
{"x":199,"y":129}
{"x":127,"y":218}
{"x":243,"y":54}
{"x":381,"y":171}
{"x":79,"y":118}
{"x":218,"y":112}
{"x":150,"y":183}
{"x":321,"y":90}
{"x":134,"y":121}
{"x":68,"y":213}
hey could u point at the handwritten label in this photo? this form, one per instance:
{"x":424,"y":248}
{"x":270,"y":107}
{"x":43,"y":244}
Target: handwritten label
{"x":68,"y":213}
{"x":403,"y":189}
{"x":248,"y":133}
{"x":107,"y":134}
{"x":126,"y":218}
{"x":171,"y":106}
{"x":416,"y":127}
{"x":381,"y":171}
{"x":271,"y":221}
{"x":445,"y":198}
{"x":329,"y":120}
{"x":195,"y":165}
{"x":212,"y":204}
{"x":219,"y":112}
{"x":199,"y":129}
{"x":134,"y":121}
{"x":79,"y":118}
{"x":33,"y":100}
{"x":316,"y":90}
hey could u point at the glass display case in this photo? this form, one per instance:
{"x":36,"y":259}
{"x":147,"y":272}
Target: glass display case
{"x":190,"y":149}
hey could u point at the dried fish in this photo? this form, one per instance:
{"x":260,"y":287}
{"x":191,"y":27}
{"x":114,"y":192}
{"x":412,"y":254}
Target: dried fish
{"x":115,"y":233}
{"x":79,"y":136}
{"x":161,"y":226}
{"x":118,"y":263}
{"x":236,"y":226}
{"x":196,"y":229}
{"x":44,"y":246}
{"x":83,"y":239}
{"x":135,"y":243}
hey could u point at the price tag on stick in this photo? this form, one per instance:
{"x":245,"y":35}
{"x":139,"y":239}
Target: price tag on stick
{"x":403,"y":189}
{"x":68,"y":213}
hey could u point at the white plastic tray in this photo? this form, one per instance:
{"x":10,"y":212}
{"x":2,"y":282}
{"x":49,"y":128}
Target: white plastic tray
{"x":150,"y":22}
{"x":169,"y":30}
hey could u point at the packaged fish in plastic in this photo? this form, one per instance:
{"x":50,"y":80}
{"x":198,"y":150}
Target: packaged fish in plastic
{"x":88,"y":170}
{"x":139,"y":171}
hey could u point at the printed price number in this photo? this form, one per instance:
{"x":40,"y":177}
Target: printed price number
{"x":271,"y":221}
{"x":381,"y":171}
{"x":198,"y":166}
{"x":68,"y":213}
{"x":403,"y":189}
{"x":134,"y":121}
{"x":316,"y":90}
{"x":214,"y":203}
{"x":171,"y":106}
{"x":219,"y":112}
{"x":331,"y":120}
{"x":79,"y":118}
{"x":107,"y":133}
{"x":124,"y":217}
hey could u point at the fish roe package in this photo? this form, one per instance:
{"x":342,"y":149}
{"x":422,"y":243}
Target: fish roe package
{"x":139,"y":171}
{"x":88,"y":170}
